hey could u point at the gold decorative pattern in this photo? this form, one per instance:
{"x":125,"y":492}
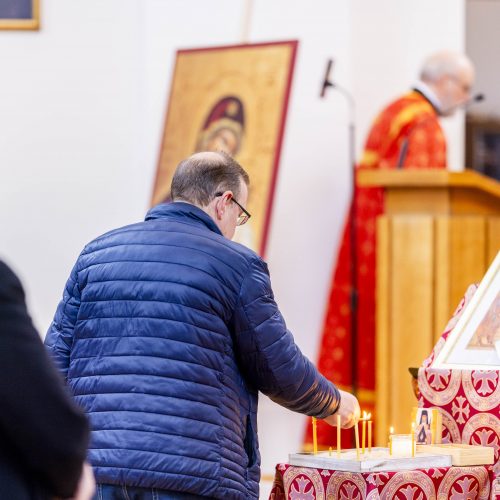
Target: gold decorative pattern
{"x":250,"y":84}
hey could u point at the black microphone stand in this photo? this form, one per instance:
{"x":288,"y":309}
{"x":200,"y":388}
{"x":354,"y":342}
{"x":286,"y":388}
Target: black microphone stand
{"x":352,"y":227}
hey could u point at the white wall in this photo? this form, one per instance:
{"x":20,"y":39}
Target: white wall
{"x":81,"y":113}
{"x":69,"y":129}
{"x":483,"y":19}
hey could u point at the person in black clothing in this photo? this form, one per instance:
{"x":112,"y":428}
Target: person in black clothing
{"x":43,"y":434}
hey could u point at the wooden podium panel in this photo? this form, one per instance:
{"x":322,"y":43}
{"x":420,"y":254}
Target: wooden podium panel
{"x":434,"y":191}
{"x":439,"y":233}
{"x":404,"y":333}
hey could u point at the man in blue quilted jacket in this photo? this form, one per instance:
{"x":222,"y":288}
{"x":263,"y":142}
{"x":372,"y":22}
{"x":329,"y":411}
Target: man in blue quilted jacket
{"x":166,"y":332}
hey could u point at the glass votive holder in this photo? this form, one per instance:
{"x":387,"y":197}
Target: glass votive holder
{"x":401,"y":445}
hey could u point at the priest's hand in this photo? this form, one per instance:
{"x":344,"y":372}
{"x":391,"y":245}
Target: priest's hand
{"x":348,"y":410}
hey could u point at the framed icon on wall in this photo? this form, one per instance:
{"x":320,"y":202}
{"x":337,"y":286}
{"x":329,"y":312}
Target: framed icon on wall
{"x":19,"y":14}
{"x":232,"y":99}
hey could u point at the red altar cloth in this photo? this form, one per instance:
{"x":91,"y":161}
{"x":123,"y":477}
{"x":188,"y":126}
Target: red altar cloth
{"x":455,"y":483}
{"x":468,"y":400}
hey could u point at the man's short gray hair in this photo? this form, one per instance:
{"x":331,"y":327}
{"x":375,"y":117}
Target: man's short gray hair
{"x":198,"y":178}
{"x":444,"y":63}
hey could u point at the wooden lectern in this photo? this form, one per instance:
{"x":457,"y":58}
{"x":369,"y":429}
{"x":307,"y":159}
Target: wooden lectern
{"x":439,"y":233}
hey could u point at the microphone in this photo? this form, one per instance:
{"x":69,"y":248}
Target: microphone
{"x":326,"y":80}
{"x":464,"y":104}
{"x":404,"y":146}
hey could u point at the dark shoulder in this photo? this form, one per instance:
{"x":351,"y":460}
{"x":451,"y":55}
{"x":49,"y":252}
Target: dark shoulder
{"x":10,"y":286}
{"x":255,"y":264}
{"x":248,"y":255}
{"x":6,"y":273}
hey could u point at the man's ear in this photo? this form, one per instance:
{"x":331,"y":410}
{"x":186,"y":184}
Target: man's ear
{"x":219,"y":208}
{"x":222,"y":203}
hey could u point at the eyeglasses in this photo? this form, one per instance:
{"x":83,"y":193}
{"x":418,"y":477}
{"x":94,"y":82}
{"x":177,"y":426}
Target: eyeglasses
{"x":243,"y":217}
{"x":466,"y":88}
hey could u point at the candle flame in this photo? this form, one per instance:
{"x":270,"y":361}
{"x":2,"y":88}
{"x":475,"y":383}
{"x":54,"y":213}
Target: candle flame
{"x":364,"y":415}
{"x":391,"y":430}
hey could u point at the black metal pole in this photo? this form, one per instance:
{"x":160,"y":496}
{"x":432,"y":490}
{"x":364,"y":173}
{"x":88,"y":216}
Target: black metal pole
{"x":354,"y":263}
{"x":352,"y":228}
{"x":353,"y":241}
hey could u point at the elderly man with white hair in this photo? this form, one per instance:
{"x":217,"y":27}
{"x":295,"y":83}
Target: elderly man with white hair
{"x":411,"y":122}
{"x":446,"y":80}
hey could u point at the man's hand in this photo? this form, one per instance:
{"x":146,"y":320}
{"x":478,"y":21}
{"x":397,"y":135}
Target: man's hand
{"x":86,"y":485}
{"x":348,"y":410}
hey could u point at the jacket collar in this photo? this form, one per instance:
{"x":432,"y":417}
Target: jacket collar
{"x":184,"y":212}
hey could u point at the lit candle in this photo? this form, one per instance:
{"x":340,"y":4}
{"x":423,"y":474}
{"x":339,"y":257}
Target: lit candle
{"x":401,"y":445}
{"x":338,"y":436}
{"x":363,"y":433}
{"x":413,"y":439}
{"x":369,"y":436}
{"x":356,"y":433}
{"x":330,"y":451}
{"x":391,"y":432}
{"x":315,"y":436}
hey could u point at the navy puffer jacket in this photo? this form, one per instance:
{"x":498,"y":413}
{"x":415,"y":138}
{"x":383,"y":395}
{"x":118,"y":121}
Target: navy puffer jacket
{"x":166,"y":333}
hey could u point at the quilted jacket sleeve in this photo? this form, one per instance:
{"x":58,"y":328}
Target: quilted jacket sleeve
{"x":59,"y":337}
{"x":269,"y":358}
